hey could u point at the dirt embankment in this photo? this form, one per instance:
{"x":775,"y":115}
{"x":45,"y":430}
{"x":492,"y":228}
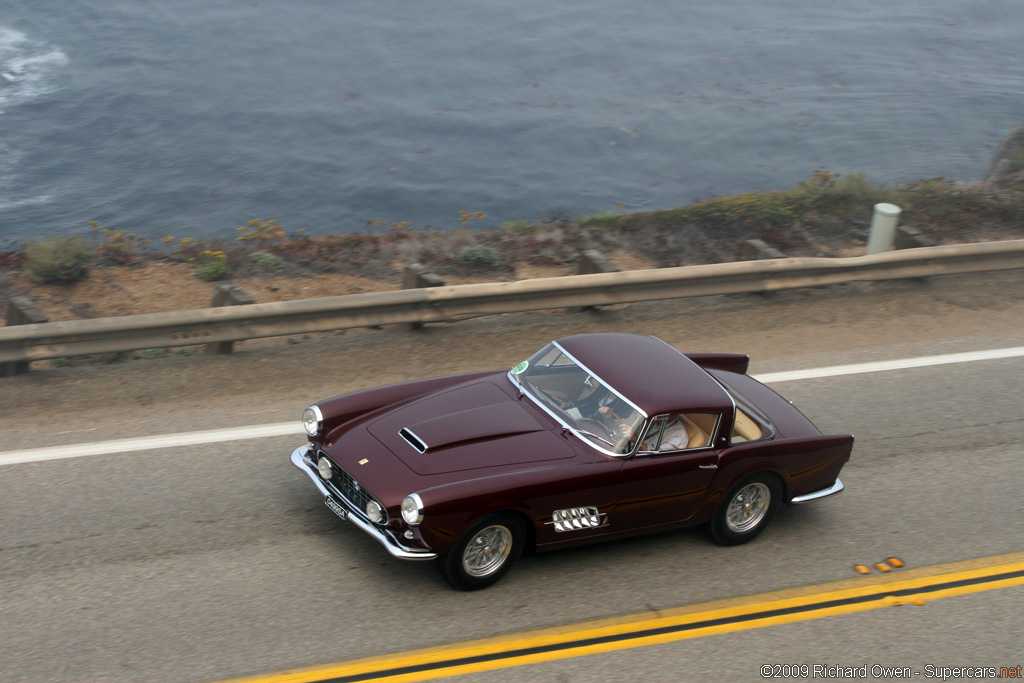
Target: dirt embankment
{"x":159,"y":286}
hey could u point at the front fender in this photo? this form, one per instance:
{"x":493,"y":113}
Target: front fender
{"x":450,"y":508}
{"x":341,"y":410}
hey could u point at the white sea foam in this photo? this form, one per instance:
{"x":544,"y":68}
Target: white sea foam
{"x":27,"y":67}
{"x":27,"y":201}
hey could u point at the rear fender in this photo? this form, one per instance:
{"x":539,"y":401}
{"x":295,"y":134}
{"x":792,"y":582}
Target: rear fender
{"x":803,"y":466}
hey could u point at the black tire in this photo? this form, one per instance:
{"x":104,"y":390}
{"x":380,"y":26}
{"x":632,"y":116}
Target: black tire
{"x":747,"y":510}
{"x":484,"y":552}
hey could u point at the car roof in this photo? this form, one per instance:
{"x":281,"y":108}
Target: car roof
{"x":649,"y":372}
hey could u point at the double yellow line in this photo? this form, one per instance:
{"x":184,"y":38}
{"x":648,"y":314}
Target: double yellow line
{"x":756,"y":611}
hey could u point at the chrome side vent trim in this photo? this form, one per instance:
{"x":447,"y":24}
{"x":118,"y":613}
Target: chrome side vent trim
{"x":572,"y":519}
{"x":413,"y":440}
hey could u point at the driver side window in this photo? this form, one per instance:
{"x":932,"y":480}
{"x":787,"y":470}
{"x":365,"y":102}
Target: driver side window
{"x":679,"y":431}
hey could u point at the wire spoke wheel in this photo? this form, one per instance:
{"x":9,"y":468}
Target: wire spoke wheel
{"x":487,"y":551}
{"x":748,"y":507}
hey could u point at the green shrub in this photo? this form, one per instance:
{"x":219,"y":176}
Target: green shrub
{"x":604,"y":219}
{"x":479,"y":256}
{"x":265,"y":258}
{"x":213,"y":270}
{"x":59,"y":261}
{"x":1017,"y":163}
{"x":517,"y":227}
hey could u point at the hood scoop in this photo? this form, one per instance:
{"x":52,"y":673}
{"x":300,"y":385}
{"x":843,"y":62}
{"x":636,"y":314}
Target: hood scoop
{"x":465,"y":426}
{"x":413,"y":440}
{"x":469,"y":427}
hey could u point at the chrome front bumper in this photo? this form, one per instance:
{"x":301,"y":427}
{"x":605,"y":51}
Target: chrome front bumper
{"x":817,"y":495}
{"x":302,"y":459}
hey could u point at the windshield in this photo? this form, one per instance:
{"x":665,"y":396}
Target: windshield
{"x":580,"y":400}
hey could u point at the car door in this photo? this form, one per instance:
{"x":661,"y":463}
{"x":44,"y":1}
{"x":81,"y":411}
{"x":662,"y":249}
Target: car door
{"x":664,"y":483}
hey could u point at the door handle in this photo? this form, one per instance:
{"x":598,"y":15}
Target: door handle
{"x":708,"y":467}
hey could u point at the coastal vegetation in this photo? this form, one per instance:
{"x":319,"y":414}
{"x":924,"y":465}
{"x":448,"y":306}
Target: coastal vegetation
{"x":61,"y":260}
{"x":826,"y":215}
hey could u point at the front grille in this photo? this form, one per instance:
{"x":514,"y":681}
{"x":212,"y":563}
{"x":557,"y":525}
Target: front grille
{"x":351,"y":490}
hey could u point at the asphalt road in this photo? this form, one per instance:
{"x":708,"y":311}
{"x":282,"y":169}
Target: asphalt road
{"x":211,"y":562}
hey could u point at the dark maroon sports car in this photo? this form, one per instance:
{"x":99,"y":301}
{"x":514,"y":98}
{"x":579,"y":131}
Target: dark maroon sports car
{"x":594,"y":437}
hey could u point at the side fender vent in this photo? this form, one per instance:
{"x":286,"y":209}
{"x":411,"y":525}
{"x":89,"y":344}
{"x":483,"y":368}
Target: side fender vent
{"x":413,"y":440}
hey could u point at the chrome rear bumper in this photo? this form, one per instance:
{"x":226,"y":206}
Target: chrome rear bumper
{"x":816,"y":495}
{"x":301,"y":459}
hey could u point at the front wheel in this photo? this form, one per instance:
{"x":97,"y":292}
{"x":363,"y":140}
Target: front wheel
{"x":747,"y":510}
{"x":484,"y":552}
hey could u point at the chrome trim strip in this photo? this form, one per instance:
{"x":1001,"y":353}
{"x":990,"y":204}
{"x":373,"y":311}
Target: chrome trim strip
{"x":732,"y":399}
{"x":299,"y":459}
{"x":603,"y":383}
{"x":817,"y":495}
{"x":540,"y":404}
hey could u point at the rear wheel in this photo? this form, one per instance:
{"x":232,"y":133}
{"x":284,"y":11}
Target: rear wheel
{"x":747,"y":509}
{"x":484,"y":552}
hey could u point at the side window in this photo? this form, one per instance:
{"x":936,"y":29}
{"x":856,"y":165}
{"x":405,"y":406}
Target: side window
{"x":745,"y":428}
{"x":653,"y":436}
{"x":680,"y":431}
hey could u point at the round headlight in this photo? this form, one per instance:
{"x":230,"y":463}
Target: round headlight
{"x":312,"y":420}
{"x":375,"y":512}
{"x":412,"y":509}
{"x":323,"y":466}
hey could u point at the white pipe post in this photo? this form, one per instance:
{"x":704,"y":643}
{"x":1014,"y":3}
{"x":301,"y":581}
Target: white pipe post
{"x":883,"y":228}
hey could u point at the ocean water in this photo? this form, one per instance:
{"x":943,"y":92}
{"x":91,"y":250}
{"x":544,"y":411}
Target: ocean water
{"x":191,"y":117}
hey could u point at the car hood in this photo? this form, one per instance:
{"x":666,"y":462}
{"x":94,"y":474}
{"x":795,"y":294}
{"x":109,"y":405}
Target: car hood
{"x":468,"y":427}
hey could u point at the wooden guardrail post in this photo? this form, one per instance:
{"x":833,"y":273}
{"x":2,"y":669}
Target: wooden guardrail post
{"x":20,"y":311}
{"x":592,"y":261}
{"x":909,"y":238}
{"x":416,"y":276}
{"x":226,"y":294}
{"x":758,"y":250}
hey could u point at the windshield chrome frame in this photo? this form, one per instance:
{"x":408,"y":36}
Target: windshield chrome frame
{"x":515,"y":381}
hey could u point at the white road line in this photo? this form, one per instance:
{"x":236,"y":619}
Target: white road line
{"x":145,"y":443}
{"x":884,"y":365}
{"x":294,"y":427}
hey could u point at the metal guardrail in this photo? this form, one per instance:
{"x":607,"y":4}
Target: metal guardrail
{"x":235,"y":323}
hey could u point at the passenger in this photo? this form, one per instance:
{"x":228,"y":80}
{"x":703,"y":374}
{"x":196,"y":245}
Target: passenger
{"x":674,"y":436}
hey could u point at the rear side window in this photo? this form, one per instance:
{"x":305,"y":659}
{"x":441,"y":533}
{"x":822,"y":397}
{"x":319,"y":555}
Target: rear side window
{"x":751,"y":424}
{"x":745,"y":429}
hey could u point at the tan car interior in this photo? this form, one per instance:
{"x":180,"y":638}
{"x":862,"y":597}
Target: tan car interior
{"x":698,"y":425}
{"x":745,"y":428}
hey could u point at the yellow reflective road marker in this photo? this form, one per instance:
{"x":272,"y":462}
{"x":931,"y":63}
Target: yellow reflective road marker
{"x":651,"y":628}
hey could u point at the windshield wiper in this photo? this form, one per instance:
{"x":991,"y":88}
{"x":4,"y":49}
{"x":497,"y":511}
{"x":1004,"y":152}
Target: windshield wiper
{"x":599,"y":438}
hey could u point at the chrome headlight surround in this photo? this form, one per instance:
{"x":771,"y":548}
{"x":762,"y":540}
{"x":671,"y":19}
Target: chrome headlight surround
{"x":323,"y":467}
{"x":375,"y":512}
{"x":312,"y":420}
{"x":412,"y":509}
